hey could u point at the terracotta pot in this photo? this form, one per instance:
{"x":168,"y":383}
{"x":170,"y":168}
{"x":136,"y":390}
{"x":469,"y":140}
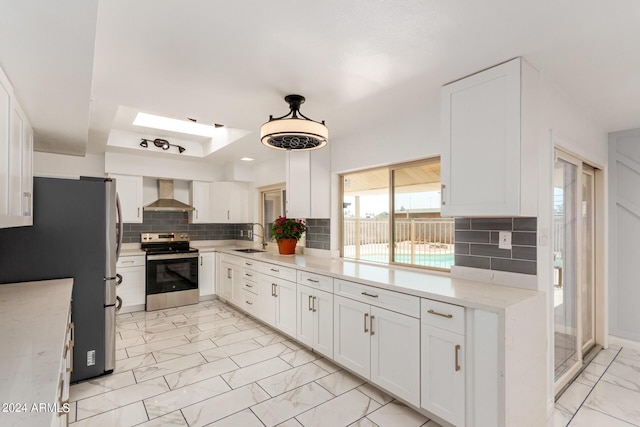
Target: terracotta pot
{"x":287,"y":246}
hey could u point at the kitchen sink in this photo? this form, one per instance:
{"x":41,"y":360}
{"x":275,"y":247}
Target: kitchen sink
{"x":249,"y":250}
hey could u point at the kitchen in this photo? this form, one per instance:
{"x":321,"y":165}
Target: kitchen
{"x":377,"y":90}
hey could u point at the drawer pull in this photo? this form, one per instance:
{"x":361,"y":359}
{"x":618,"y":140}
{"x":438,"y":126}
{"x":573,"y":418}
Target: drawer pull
{"x":369,"y":295}
{"x":310,"y":300}
{"x":371,"y":324}
{"x":127,"y":262}
{"x":275,"y":289}
{"x":228,"y":273}
{"x":248,"y":275}
{"x":248,"y":264}
{"x":248,"y":285}
{"x":314,"y":304}
{"x":457,"y":357}
{"x":365,"y":322}
{"x":275,"y":270}
{"x":448,"y":316}
{"x":249,"y":302}
{"x":314,"y":280}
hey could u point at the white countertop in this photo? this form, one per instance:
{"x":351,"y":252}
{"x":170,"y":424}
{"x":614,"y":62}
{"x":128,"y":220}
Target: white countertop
{"x":424,"y":284}
{"x":33,"y":324}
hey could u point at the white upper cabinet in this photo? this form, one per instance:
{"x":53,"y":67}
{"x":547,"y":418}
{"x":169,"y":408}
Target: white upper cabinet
{"x":16,"y":159}
{"x":229,"y":202}
{"x":489,"y":154}
{"x":201,"y":201}
{"x":129,"y":190}
{"x":309,"y":184}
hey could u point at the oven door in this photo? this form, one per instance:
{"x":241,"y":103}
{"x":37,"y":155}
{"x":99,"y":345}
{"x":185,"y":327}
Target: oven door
{"x":171,"y":273}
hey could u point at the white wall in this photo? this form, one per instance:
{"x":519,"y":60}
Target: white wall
{"x":60,"y":165}
{"x":162,"y":167}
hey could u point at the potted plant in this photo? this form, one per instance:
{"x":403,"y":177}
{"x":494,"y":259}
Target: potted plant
{"x":287,"y":232}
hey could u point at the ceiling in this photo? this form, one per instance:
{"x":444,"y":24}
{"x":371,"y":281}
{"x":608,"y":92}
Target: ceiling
{"x":75,"y":64}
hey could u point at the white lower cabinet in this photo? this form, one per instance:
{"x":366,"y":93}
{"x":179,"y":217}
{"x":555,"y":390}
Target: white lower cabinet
{"x":443,"y":360}
{"x":315,"y":319}
{"x":231,"y":282}
{"x":131,"y":283}
{"x":206,"y":273}
{"x":278,"y":303}
{"x":379,"y":345}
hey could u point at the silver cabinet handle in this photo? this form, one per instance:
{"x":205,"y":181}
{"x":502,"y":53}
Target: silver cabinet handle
{"x":248,"y":285}
{"x":118,"y":279}
{"x":27,"y":212}
{"x":275,"y":270}
{"x":314,"y":280}
{"x":201,"y":260}
{"x":275,"y":289}
{"x":118,"y":304}
{"x":365,"y":322}
{"x":228,"y":273}
{"x":314,"y":304}
{"x":228,"y":217}
{"x":138,"y":213}
{"x":248,"y":264}
{"x":196,"y":211}
{"x":369,"y":295}
{"x":310,"y":301}
{"x":442,"y":201}
{"x":371,"y":324}
{"x":457,"y":357}
{"x":448,"y":316}
{"x":249,"y":302}
{"x":248,"y":275}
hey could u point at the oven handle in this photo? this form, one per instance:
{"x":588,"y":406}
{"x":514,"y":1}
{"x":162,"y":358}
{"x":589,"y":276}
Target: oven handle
{"x":172,"y":256}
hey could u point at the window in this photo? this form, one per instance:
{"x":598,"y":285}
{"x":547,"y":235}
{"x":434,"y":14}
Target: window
{"x":398,"y":204}
{"x":271,"y":207}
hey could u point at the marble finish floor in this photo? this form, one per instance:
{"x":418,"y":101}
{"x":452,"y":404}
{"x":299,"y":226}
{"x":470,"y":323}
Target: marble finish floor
{"x":210,"y":365}
{"x":606,"y":394}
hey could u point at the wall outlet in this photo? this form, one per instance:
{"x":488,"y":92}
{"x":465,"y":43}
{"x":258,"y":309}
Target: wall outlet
{"x":91,"y":357}
{"x":504,"y":240}
{"x":241,"y":233}
{"x":250,"y":234}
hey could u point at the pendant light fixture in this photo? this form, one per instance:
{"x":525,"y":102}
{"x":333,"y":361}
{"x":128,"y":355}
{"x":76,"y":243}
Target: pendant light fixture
{"x":294,"y":131}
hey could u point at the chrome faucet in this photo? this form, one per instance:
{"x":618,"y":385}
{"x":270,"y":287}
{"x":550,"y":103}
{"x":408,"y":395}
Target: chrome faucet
{"x":264,"y":243}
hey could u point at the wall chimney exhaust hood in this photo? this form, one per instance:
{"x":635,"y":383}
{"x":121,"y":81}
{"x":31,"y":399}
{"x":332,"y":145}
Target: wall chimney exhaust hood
{"x":166,"y":201}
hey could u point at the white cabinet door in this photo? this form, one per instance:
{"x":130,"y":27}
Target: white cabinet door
{"x":206,"y":273}
{"x":285,"y":293}
{"x":132,"y":289}
{"x":308,"y":184}
{"x":201,"y":201}
{"x":15,"y":161}
{"x":442,"y":377}
{"x":395,"y":353}
{"x":227,"y":273}
{"x":27,"y":173}
{"x":129,"y":190}
{"x":323,"y":322}
{"x":5,"y":114}
{"x":229,"y":202}
{"x":486,"y":162}
{"x":267,"y":299}
{"x":236,"y":285}
{"x":305,"y":331}
{"x":351,"y":342}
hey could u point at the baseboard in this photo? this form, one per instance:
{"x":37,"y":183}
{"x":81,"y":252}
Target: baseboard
{"x":623,"y":342}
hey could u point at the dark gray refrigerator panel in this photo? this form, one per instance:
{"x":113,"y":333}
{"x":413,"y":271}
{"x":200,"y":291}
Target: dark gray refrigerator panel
{"x":69,"y":238}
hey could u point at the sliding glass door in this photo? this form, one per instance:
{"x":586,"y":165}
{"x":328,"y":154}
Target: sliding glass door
{"x":574,"y":265}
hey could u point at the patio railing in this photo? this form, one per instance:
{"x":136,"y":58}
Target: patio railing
{"x":421,"y":241}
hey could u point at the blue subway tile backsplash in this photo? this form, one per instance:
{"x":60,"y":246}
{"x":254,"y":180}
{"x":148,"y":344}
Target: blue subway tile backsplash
{"x":476,"y":244}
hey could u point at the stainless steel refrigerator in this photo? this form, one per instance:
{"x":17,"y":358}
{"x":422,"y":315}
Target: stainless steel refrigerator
{"x":75,"y":233}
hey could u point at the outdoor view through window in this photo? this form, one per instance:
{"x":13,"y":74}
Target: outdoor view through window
{"x":399,"y":204}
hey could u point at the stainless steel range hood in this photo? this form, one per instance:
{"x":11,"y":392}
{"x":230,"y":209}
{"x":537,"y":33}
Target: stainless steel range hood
{"x":166,"y":202}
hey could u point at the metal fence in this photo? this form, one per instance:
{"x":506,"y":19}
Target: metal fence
{"x":421,"y":241}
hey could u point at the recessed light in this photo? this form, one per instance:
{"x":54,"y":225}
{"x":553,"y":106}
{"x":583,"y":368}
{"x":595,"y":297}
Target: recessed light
{"x":174,"y":125}
{"x":247,"y":159}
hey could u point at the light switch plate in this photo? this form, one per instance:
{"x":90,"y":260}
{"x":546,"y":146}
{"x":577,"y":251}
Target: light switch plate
{"x":504,"y":240}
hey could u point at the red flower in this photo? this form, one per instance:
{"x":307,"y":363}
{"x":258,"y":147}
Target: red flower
{"x":279,"y":222}
{"x":295,"y":229}
{"x":279,"y":231}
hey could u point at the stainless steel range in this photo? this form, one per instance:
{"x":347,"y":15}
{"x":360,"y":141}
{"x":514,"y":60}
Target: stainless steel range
{"x":172,"y":270}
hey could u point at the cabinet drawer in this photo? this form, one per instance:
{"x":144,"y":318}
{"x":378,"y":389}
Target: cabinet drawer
{"x":250,"y":302}
{"x":317,"y":281}
{"x":248,"y":274}
{"x":131,"y":261}
{"x":232,"y":259}
{"x":395,"y":301}
{"x":250,"y":286}
{"x":442,"y":315}
{"x":277,"y":271}
{"x":249,"y":264}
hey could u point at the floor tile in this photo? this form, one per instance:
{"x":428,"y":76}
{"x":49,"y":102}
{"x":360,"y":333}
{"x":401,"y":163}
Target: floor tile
{"x":396,"y":414}
{"x":629,"y":357}
{"x":209,"y":317}
{"x":431,"y":423}
{"x":243,"y":376}
{"x":130,"y":333}
{"x":340,"y":382}
{"x":375,"y":393}
{"x":125,"y":416}
{"x":341,"y":411}
{"x":244,"y":418}
{"x":292,"y":378}
{"x":120,"y":397}
{"x":150,"y":323}
{"x":616,"y":401}
{"x":210,"y":334}
{"x":185,"y":396}
{"x":364,"y":422}
{"x":260,"y":354}
{"x":174,"y":419}
{"x":623,"y":375}
{"x":221,"y":406}
{"x":237,"y":337}
{"x":572,"y":398}
{"x":183,"y":350}
{"x":218,"y":323}
{"x":269,"y":339}
{"x":73,"y":407}
{"x":100,"y":385}
{"x":229,"y":350}
{"x":121,"y":354}
{"x":605,"y":356}
{"x":200,"y":372}
{"x":300,"y":357}
{"x":290,"y":423}
{"x":327,"y":365}
{"x":168,"y":367}
{"x":290,"y":404}
{"x":591,"y":374}
{"x":129,"y":342}
{"x":156,"y":346}
{"x":185,"y":330}
{"x":134,"y":362}
{"x":587,"y":417}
